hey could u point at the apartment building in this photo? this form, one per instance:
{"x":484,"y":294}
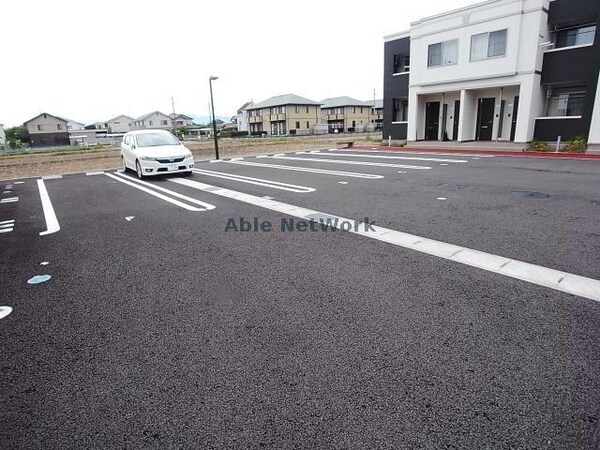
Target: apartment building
{"x":500,"y":70}
{"x":47,"y":130}
{"x":343,"y":114}
{"x":282,"y":115}
{"x":377,"y":114}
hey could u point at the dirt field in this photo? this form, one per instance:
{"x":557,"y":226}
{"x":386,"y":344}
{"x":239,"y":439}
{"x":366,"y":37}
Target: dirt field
{"x":35,"y":165}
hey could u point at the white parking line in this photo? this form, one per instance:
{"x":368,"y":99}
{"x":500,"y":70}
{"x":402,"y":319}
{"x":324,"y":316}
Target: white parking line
{"x":409,"y":152}
{"x":532,"y":273}
{"x":256,"y":181}
{"x":412,"y":158}
{"x":340,"y":173}
{"x":358,"y":163}
{"x":52,"y":225}
{"x":141,"y":185}
{"x":7,"y":222}
{"x":9,"y":200}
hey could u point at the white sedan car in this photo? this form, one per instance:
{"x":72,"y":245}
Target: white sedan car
{"x":155,"y":152}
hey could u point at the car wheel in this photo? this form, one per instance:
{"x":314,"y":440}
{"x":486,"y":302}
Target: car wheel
{"x":138,"y":169}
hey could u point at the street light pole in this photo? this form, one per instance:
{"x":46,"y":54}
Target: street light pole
{"x":214,"y":122}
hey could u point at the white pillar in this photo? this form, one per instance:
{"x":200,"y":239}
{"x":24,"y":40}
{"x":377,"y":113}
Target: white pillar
{"x":531,"y":105}
{"x":413,"y":116}
{"x":594,"y":135}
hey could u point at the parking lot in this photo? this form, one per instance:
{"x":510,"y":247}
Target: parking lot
{"x":454,"y":303}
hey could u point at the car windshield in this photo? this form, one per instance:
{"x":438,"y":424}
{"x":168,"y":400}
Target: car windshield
{"x":155,"y":139}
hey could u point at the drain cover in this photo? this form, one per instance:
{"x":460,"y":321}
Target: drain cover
{"x":529,"y":194}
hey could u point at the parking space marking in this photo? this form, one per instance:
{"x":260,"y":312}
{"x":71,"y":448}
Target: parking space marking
{"x":6,"y":226}
{"x":9,"y":200}
{"x":412,"y":158}
{"x":358,"y":163}
{"x":52,"y":225}
{"x":144,"y":186}
{"x":5,"y":311}
{"x":409,"y":152}
{"x":532,"y":273}
{"x":340,"y":173}
{"x":256,"y":181}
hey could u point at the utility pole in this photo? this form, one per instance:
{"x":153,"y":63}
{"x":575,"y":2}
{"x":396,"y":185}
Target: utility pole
{"x":214,"y":122}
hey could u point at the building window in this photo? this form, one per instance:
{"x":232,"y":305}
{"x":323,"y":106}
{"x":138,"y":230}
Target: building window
{"x":443,"y":54}
{"x":581,"y":35}
{"x":354,"y":110}
{"x":40,"y":128}
{"x":400,"y":110}
{"x":297,"y":110}
{"x":297,"y":125}
{"x":565,"y":102}
{"x":488,"y":45}
{"x":307,"y":110}
{"x":401,"y":63}
{"x":59,"y":126}
{"x":307,"y":125}
{"x":164,"y":122}
{"x":150,"y":122}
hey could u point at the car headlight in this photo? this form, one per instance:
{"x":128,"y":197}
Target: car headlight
{"x":146,"y":158}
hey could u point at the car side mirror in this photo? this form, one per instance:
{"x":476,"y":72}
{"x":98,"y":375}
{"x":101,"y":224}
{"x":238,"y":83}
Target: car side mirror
{"x":133,"y":146}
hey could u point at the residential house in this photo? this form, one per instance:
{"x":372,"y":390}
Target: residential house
{"x":155,"y":119}
{"x":242,"y":116}
{"x":119,"y":124}
{"x":283,"y":114}
{"x":46,"y":130}
{"x":74,"y":126}
{"x":500,"y":70}
{"x":181,"y":120}
{"x":2,"y":135}
{"x":345,"y":114}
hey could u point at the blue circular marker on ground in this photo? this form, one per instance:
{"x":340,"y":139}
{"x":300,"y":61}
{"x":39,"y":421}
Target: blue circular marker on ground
{"x":38,"y":279}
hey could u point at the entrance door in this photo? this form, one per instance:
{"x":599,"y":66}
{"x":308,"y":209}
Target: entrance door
{"x":485,"y":119}
{"x":513,"y":126}
{"x":432,"y":121}
{"x":456,"y":119}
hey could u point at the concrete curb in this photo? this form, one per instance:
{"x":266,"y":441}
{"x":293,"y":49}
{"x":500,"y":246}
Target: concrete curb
{"x":484,"y":152}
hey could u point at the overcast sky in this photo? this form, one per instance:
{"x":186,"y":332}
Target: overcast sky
{"x":90,"y":60}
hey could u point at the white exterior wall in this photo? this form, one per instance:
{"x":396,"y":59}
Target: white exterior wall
{"x":121,"y":124}
{"x":594,"y":136}
{"x":242,"y":121}
{"x":515,"y":72}
{"x":49,"y":124}
{"x":2,"y":135}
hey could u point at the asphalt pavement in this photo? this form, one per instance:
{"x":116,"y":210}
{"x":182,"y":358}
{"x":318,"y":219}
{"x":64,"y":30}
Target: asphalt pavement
{"x":164,"y":324}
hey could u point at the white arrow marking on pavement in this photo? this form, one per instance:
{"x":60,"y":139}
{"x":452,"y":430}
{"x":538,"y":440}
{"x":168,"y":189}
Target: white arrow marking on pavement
{"x":129,"y":218}
{"x":5,"y":311}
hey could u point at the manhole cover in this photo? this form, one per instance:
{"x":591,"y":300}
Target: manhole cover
{"x":529,"y":194}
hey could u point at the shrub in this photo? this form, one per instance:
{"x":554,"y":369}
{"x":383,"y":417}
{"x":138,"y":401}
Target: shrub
{"x":577,"y":144}
{"x":539,"y":146}
{"x":14,"y":143}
